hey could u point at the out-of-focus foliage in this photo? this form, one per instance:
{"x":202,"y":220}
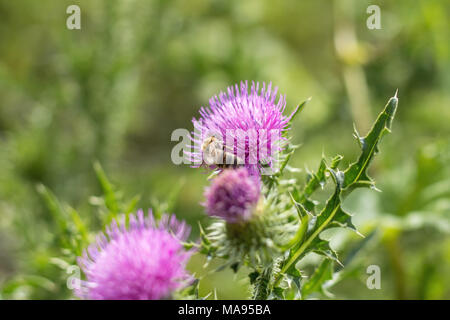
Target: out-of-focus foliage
{"x":116,"y":89}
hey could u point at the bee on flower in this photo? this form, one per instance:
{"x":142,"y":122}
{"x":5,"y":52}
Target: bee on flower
{"x":242,"y":127}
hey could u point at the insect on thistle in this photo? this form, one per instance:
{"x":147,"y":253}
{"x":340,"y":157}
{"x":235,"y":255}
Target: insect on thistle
{"x":215,"y":153}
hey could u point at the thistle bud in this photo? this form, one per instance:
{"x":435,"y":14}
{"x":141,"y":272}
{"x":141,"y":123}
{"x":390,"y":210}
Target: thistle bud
{"x":233,"y":196}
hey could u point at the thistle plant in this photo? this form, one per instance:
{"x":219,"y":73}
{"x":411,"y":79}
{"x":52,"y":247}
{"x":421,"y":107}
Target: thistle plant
{"x":134,"y":257}
{"x":261,"y":219}
{"x":272,"y":234}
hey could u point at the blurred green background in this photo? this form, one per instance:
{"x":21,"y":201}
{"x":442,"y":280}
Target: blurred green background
{"x":116,"y":89}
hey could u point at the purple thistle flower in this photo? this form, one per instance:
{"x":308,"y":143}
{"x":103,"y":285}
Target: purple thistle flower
{"x":246,"y":125}
{"x":233,"y":195}
{"x":145,"y":261}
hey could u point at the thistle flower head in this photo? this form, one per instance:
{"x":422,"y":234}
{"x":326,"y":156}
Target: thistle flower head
{"x":144,"y":261}
{"x":256,"y":241}
{"x":247,"y":125}
{"x":233,"y":195}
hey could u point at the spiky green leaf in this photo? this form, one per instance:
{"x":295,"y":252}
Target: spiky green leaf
{"x":356,"y":174}
{"x":332,"y":215}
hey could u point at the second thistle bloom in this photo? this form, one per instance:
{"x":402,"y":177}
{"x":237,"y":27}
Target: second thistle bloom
{"x":145,"y":261}
{"x":233,"y":195}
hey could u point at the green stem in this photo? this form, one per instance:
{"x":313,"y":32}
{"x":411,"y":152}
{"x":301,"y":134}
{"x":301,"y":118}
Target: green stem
{"x":261,"y":289}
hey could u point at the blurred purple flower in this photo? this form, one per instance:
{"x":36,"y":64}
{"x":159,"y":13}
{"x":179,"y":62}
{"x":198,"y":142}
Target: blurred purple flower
{"x":233,"y":195}
{"x":247,"y":125}
{"x":145,"y":261}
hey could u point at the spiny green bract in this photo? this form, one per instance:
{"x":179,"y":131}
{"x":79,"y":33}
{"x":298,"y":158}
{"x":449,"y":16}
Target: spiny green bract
{"x":287,"y":226}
